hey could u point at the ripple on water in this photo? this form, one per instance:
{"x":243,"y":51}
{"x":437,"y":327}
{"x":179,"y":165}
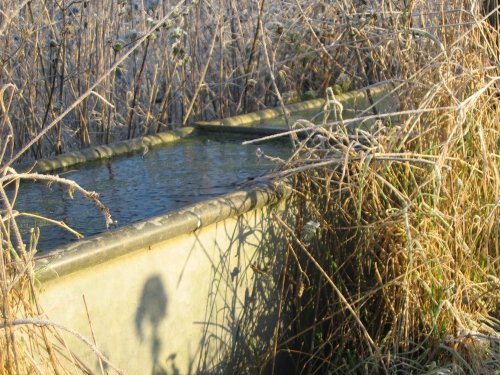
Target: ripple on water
{"x":135,"y":188}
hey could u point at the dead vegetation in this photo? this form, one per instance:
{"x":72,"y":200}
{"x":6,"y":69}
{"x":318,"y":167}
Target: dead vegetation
{"x":184,"y":61}
{"x":394,"y":254}
{"x":393,"y":260}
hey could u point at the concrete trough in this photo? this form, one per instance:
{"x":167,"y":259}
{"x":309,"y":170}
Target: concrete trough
{"x":185,"y":292}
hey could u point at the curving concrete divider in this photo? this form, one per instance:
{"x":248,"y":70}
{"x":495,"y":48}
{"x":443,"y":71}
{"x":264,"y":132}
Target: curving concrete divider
{"x":351,"y":101}
{"x":185,"y":292}
{"x":107,"y":151}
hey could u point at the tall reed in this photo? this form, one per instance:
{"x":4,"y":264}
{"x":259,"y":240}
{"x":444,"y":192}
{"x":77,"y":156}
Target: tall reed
{"x":54,"y":51}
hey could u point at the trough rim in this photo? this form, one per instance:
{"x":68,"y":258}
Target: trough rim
{"x":142,"y":235}
{"x":102,"y":152}
{"x":270,"y":113}
{"x":235,"y":124}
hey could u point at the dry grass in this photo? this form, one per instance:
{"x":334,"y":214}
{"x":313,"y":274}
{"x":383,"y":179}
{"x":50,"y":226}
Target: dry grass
{"x":394,"y":255}
{"x":397,"y":234}
{"x":205,"y":61}
{"x":28,"y":342}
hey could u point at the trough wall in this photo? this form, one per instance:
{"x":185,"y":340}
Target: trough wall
{"x":188,"y":292}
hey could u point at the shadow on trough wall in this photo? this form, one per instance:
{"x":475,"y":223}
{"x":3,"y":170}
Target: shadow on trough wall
{"x":152,"y":310}
{"x":243,"y":307}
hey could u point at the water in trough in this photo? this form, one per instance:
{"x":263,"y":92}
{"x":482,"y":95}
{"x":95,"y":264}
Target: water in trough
{"x":141,"y":186}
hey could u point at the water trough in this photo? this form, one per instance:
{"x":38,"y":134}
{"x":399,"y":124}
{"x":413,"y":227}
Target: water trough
{"x":175,"y":292}
{"x":183,"y":292}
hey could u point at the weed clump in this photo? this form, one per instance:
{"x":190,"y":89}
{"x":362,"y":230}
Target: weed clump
{"x":396,"y":238}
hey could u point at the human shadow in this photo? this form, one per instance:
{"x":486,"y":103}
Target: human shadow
{"x":152,"y":311}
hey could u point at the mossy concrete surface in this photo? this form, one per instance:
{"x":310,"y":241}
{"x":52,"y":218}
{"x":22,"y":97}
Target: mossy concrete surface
{"x":108,"y":151}
{"x":351,"y":101}
{"x":233,"y":129}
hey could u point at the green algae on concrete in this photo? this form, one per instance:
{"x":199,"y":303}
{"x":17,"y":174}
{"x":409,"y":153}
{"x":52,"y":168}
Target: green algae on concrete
{"x":108,"y":151}
{"x":353,"y":103}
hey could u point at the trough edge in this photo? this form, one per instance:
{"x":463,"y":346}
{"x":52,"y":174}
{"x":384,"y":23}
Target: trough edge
{"x":144,"y":234}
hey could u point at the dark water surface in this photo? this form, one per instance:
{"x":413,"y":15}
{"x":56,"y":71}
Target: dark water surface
{"x":138,"y":187}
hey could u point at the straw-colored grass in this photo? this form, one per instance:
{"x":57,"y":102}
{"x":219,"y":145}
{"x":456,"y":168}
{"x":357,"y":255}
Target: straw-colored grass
{"x":29,"y":342}
{"x":189,"y":60}
{"x":393,"y":258}
{"x":396,"y":239}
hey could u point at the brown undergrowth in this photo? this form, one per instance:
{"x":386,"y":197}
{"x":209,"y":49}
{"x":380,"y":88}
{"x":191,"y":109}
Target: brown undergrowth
{"x":29,"y":342}
{"x":393,"y":258}
{"x":396,"y":239}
